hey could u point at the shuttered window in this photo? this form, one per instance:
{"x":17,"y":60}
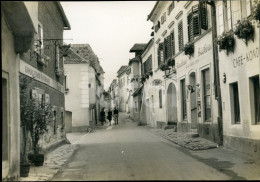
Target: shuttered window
{"x":190,"y":27}
{"x":170,"y":8}
{"x":183,"y":100}
{"x":207,"y":94}
{"x":255,"y":99}
{"x":160,"y":53}
{"x":235,"y":108}
{"x":195,"y":20}
{"x":172,"y":44}
{"x":180,"y":35}
{"x":157,"y":26}
{"x":203,"y":15}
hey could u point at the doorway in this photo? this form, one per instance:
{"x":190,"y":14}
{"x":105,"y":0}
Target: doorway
{"x":193,"y":101}
{"x":171,"y":104}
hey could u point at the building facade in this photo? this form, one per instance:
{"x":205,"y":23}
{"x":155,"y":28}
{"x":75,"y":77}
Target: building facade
{"x":183,"y":50}
{"x":14,"y":43}
{"x":84,"y":87}
{"x":123,"y":81}
{"x":239,"y":72}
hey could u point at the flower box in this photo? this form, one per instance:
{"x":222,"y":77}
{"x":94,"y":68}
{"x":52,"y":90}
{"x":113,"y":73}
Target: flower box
{"x":189,"y":49}
{"x":244,"y":30}
{"x":226,"y":41}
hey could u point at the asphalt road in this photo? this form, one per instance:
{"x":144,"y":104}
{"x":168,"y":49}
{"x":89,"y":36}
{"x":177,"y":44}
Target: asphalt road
{"x":129,"y":152}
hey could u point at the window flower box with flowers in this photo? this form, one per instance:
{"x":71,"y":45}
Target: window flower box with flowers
{"x":256,"y":10}
{"x":226,"y":41}
{"x":244,"y":30}
{"x":188,"y":49}
{"x":171,"y":62}
{"x":163,"y":66}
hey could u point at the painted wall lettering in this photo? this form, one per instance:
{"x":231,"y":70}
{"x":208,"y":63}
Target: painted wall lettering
{"x":249,"y":56}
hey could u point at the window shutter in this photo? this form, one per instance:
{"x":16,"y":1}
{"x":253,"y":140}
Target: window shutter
{"x":165,"y":49}
{"x":159,"y":55}
{"x":180,"y":35}
{"x":203,"y":15}
{"x":190,"y":27}
{"x":195,"y":20}
{"x":172,"y":44}
{"x":169,"y":47}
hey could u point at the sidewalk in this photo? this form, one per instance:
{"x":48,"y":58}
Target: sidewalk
{"x":54,"y":160}
{"x":232,"y":163}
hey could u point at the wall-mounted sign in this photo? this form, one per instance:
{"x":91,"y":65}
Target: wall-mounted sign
{"x":244,"y":58}
{"x":37,"y":75}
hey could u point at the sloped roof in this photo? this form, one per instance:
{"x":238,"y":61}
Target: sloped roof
{"x":137,"y":47}
{"x":74,"y":58}
{"x":85,"y":51}
{"x":121,"y":69}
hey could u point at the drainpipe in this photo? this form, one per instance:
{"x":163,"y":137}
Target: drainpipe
{"x":216,"y":70}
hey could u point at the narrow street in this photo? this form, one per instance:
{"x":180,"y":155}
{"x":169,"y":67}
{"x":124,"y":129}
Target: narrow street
{"x":130,"y":152}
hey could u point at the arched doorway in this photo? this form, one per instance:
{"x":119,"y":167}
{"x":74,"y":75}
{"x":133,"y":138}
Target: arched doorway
{"x":193,"y":101}
{"x":171,"y":104}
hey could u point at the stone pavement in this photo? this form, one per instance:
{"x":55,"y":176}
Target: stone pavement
{"x":54,"y":160}
{"x":184,"y":141}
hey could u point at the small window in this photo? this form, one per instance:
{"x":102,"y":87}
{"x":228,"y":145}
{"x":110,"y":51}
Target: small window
{"x":255,"y":99}
{"x":57,"y":52}
{"x":160,"y":98}
{"x":207,"y":94}
{"x":180,"y":35}
{"x":89,"y":85}
{"x":248,"y":7}
{"x":235,"y":108}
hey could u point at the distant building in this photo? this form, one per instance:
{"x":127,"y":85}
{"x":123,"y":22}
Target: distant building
{"x":19,"y":22}
{"x":123,"y":81}
{"x":114,"y":93}
{"x":84,"y":86}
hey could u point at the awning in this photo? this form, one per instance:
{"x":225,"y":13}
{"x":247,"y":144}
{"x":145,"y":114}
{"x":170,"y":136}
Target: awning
{"x":137,"y":91}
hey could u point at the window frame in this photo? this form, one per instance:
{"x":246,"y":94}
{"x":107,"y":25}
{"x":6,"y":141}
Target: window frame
{"x":235,"y":104}
{"x":253,"y":98}
{"x":184,"y":114}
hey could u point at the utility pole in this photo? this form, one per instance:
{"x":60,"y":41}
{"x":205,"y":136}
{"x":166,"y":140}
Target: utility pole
{"x":216,"y":69}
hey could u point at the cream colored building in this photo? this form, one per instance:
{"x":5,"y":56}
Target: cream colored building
{"x":239,"y":72}
{"x":84,"y":87}
{"x":123,"y":81}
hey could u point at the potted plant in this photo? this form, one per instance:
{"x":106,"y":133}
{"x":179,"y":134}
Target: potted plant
{"x":256,"y":10}
{"x":189,"y":49}
{"x":41,"y":117}
{"x":163,"y":66}
{"x":244,"y":30}
{"x":226,"y":41}
{"x":26,"y":107}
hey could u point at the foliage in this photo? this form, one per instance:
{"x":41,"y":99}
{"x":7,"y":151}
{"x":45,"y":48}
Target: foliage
{"x":226,"y":41}
{"x":34,"y":116}
{"x":256,"y":10}
{"x":143,"y":78}
{"x":244,"y":30}
{"x":163,"y":66}
{"x":151,"y":73}
{"x":189,"y":49}
{"x":171,"y":62}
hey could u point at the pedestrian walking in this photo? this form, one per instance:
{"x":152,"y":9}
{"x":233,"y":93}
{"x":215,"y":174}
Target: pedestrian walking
{"x":116,"y":115}
{"x":109,"y":116}
{"x":103,"y":116}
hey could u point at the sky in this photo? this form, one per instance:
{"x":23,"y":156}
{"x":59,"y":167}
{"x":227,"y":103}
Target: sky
{"x":111,"y":28}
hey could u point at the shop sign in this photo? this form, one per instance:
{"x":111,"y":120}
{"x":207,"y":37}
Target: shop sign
{"x":247,"y":57}
{"x":37,"y":75}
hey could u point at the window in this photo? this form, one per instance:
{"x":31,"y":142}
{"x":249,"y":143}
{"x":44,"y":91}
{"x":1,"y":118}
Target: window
{"x":160,"y":53}
{"x":89,"y":85}
{"x":40,"y":35}
{"x":255,"y":99}
{"x":220,"y":19}
{"x":172,"y":44}
{"x":167,"y":48}
{"x":206,"y":94}
{"x":160,"y":98}
{"x":229,"y":15}
{"x":152,"y":104}
{"x":136,"y":106}
{"x":235,"y":108}
{"x":66,"y":82}
{"x":39,"y":96}
{"x":180,"y":35}
{"x":234,"y":12}
{"x":171,"y":7}
{"x":183,"y":100}
{"x":197,"y":20}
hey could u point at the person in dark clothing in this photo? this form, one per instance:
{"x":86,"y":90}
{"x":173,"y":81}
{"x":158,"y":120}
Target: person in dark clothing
{"x":109,"y":116}
{"x":116,"y":115}
{"x":102,"y":116}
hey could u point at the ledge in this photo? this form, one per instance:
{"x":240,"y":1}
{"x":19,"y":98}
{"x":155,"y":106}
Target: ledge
{"x":187,"y":4}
